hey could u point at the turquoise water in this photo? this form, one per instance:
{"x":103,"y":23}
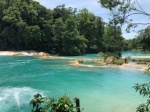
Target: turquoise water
{"x":124,"y":54}
{"x":128,"y":53}
{"x":85,"y":56}
{"x":99,"y":90}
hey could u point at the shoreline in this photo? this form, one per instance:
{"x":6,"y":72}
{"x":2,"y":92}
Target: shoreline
{"x":18,"y":53}
{"x":141,"y":67}
{"x":25,"y":53}
{"x":73,"y":62}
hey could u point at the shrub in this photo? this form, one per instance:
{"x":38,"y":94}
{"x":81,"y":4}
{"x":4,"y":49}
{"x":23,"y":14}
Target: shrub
{"x":119,"y":61}
{"x":108,"y":54}
{"x":141,"y":62}
{"x":144,"y":90}
{"x":43,"y":104}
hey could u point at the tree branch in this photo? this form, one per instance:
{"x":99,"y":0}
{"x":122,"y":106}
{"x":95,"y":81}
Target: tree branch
{"x":139,"y":5}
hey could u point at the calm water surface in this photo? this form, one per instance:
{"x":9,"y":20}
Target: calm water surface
{"x":99,"y":90}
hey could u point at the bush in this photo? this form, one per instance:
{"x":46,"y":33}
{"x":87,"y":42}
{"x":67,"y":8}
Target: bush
{"x":144,"y":90}
{"x":43,"y":104}
{"x":119,"y":61}
{"x":147,"y":71}
{"x":141,"y":62}
{"x":108,"y":55}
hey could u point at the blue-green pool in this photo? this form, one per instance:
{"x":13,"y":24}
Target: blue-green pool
{"x":99,"y":90}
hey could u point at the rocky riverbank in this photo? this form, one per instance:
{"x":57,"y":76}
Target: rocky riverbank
{"x":25,"y":53}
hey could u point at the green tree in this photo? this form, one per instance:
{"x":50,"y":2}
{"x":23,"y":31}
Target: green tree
{"x":47,"y":34}
{"x":112,"y":40}
{"x":27,"y":25}
{"x":59,"y":29}
{"x":67,"y":38}
{"x":74,"y":44}
{"x":144,"y":90}
{"x":99,"y":32}
{"x":43,"y":104}
{"x":144,"y":38}
{"x":132,"y":45}
{"x":13,"y":32}
{"x":2,"y":7}
{"x":127,"y":45}
{"x":22,"y":20}
{"x":62,"y":12}
{"x":91,"y":27}
{"x":44,"y":19}
{"x":33,"y":37}
{"x":123,"y":10}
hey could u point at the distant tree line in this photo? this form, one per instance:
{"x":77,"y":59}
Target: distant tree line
{"x":121,"y":14}
{"x":27,"y":25}
{"x":140,"y":43}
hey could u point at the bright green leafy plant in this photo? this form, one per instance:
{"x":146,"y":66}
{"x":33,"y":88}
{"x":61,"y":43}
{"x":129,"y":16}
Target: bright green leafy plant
{"x":144,"y":90}
{"x":43,"y":104}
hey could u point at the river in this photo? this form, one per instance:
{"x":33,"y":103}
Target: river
{"x":99,"y":90}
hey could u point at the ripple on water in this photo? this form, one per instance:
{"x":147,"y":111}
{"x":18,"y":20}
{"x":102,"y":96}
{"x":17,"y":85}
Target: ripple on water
{"x":15,"y":97}
{"x":99,"y":90}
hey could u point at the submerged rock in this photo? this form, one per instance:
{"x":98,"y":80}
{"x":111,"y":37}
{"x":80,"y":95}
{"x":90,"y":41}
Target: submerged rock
{"x":43,"y":54}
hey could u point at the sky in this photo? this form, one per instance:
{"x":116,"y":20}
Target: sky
{"x":94,"y":7}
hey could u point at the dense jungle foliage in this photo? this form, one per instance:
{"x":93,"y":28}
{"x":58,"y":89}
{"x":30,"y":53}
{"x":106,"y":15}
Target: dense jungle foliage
{"x":27,"y":25}
{"x":141,"y":42}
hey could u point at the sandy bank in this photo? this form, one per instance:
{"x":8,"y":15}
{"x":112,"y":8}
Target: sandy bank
{"x":25,"y":53}
{"x":18,"y":53}
{"x":141,"y":67}
{"x":76,"y":62}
